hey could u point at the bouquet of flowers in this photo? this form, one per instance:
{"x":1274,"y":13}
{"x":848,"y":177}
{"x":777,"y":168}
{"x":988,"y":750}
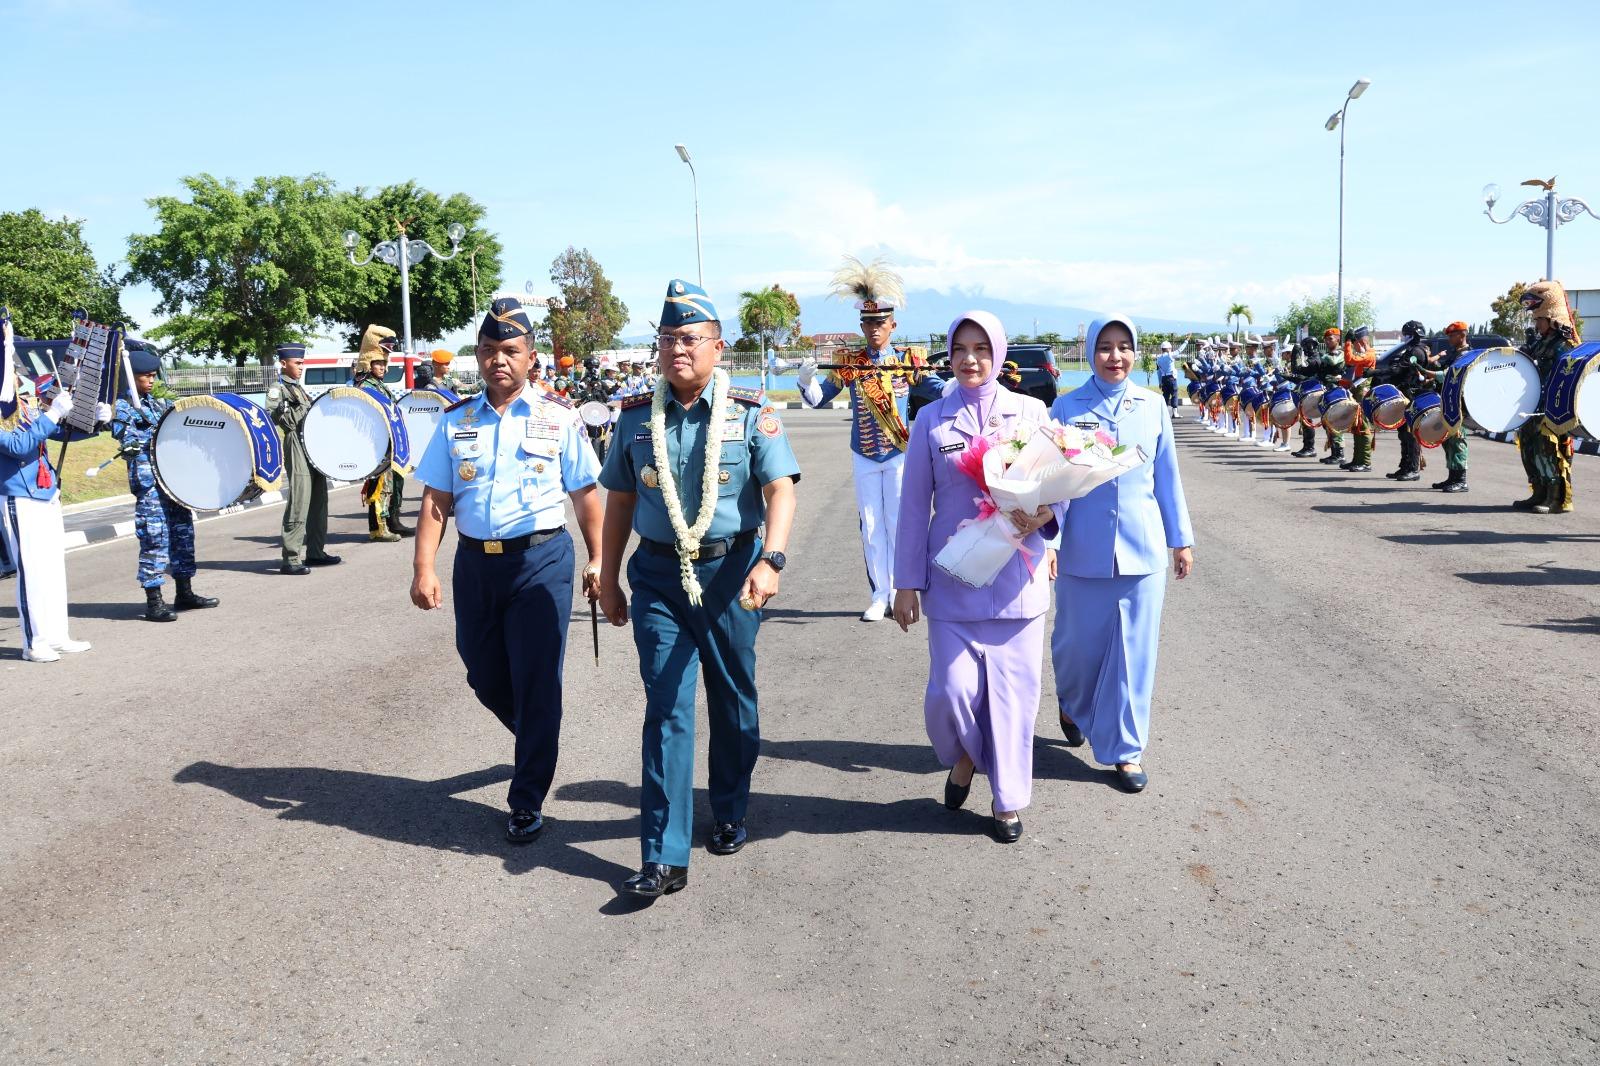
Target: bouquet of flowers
{"x":1038,"y":465}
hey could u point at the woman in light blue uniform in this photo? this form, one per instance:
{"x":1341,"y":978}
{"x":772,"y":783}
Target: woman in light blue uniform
{"x":1113,"y":561}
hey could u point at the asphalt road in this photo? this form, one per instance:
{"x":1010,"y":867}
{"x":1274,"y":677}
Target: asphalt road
{"x":271,"y":832}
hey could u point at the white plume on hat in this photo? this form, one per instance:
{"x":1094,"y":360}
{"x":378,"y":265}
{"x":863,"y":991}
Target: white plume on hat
{"x":865,"y":283}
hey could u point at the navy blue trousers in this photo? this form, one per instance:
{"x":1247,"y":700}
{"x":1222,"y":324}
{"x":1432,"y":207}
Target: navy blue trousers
{"x":511,"y":632}
{"x":674,"y":640}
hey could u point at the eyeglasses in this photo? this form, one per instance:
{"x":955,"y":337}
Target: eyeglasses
{"x":668,"y":342}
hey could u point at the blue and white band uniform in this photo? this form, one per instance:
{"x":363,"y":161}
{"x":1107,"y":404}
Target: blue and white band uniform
{"x":31,"y":530}
{"x":509,"y":476}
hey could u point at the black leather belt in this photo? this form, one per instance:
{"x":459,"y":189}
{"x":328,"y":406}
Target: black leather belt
{"x":709,"y":549}
{"x":511,"y":544}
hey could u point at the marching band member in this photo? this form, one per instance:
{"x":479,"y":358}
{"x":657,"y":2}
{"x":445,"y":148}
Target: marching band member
{"x":985,"y":645}
{"x":1410,"y":370}
{"x":503,"y":464}
{"x":383,"y":493}
{"x":30,"y":521}
{"x":1305,"y":368}
{"x":440,"y":360}
{"x":305,"y":505}
{"x":1454,"y":446}
{"x":165,"y":526}
{"x":1330,"y":366}
{"x":1358,"y":362}
{"x":877,"y":421}
{"x":1113,"y":560}
{"x":697,"y":468}
{"x":1546,"y":455}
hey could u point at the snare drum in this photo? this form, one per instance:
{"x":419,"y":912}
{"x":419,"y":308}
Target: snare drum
{"x":1572,"y":399}
{"x":1385,"y":406}
{"x":422,"y":410}
{"x":1285,"y":408}
{"x":1338,"y":408}
{"x":1311,"y":402}
{"x":349,"y":434}
{"x":212,"y":452}
{"x":595,"y":414}
{"x":1425,"y":418}
{"x":1491,"y":389}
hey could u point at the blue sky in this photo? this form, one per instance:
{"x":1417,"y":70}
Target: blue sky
{"x":1165,"y":159}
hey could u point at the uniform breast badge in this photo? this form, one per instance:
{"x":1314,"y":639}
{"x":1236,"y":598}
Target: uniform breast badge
{"x":467,"y":470}
{"x":650,"y":478}
{"x":723,"y":477}
{"x":538,"y":468}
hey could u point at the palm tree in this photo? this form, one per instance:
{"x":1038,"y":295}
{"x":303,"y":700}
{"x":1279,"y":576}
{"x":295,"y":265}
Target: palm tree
{"x":767,"y":313}
{"x":1240,"y":312}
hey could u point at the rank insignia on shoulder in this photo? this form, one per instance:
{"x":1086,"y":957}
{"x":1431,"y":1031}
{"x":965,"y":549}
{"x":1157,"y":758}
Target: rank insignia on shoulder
{"x":558,"y":399}
{"x":638,"y":401}
{"x":753,"y":397}
{"x":460,"y":403}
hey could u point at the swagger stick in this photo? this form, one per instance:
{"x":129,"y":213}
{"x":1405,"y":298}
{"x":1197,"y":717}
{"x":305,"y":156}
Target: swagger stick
{"x":594,"y":626}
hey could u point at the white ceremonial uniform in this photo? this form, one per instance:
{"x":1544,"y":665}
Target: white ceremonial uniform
{"x":31,"y":526}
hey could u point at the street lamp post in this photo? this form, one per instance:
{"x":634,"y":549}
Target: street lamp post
{"x":404,"y":253}
{"x":699,"y":269}
{"x":1336,"y":121}
{"x":1548,"y":212}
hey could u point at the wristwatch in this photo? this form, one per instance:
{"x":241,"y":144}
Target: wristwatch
{"x":777,"y":560}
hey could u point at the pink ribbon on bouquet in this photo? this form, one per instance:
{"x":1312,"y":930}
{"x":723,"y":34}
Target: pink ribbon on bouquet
{"x":986,"y":511}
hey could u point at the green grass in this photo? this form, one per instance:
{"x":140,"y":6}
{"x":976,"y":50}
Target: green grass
{"x":83,"y":454}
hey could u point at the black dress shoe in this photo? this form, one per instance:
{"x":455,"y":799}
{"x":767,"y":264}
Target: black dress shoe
{"x":1008,"y":832}
{"x":1410,"y":475}
{"x":655,"y":879}
{"x":1456,"y":486}
{"x":955,"y":796}
{"x":1132,"y":780}
{"x":523,"y":827}
{"x":727,"y":838}
{"x":1359,"y":468}
{"x":294,"y":571}
{"x":1391,"y":475}
{"x":324,"y":560}
{"x":1070,"y":730}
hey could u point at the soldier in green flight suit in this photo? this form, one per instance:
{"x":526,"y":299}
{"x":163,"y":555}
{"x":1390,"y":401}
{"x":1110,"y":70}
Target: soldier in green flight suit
{"x":1546,"y":454}
{"x":1330,"y":367}
{"x":305,"y":506}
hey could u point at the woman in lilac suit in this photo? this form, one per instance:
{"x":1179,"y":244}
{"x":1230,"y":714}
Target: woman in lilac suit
{"x":1113,"y":563}
{"x":985,"y":645}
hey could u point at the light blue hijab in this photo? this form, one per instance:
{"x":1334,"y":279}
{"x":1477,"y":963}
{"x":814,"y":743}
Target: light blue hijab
{"x":1111,"y":395}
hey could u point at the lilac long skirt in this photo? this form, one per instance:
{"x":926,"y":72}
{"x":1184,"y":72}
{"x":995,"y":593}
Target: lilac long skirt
{"x":983,"y":697}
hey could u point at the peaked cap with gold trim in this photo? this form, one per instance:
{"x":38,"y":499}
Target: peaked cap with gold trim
{"x":506,"y":320}
{"x":686,"y":303}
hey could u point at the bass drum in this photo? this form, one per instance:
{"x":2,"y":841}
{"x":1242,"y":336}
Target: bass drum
{"x":1311,"y":402}
{"x":1494,"y":390}
{"x":348,"y":434}
{"x":213,"y":452}
{"x":1385,"y":406}
{"x":422,"y":410}
{"x":1572,"y":399}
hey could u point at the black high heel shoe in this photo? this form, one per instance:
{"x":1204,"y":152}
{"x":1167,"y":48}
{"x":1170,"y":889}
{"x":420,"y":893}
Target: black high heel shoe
{"x":955,"y":796}
{"x":1008,"y":832}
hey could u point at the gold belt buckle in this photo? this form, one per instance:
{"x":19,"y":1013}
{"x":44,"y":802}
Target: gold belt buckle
{"x":694,"y":555}
{"x":493,"y":547}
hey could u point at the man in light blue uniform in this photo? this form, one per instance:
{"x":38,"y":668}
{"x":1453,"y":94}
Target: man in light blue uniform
{"x":1112,"y":561}
{"x":1168,"y":376}
{"x":504,"y":463}
{"x":878,"y":430}
{"x":699,"y":577}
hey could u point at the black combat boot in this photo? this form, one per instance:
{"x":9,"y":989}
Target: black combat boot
{"x":186,"y":600}
{"x":155,"y":607}
{"x":1457,"y":482}
{"x":1536,"y":496}
{"x":1336,"y":457}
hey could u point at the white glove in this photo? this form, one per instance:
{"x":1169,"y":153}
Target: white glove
{"x":103,"y":412}
{"x":61,"y":406}
{"x":806,"y":376}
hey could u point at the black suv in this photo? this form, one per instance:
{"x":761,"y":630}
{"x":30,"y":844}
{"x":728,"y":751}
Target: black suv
{"x":1035,"y":363}
{"x":1438,"y":344}
{"x":36,"y":358}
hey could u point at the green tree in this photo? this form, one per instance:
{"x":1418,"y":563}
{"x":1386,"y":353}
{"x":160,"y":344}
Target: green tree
{"x":241,"y":270}
{"x":768,"y":315}
{"x":1240,"y":313}
{"x":442,"y":291}
{"x":1511,"y":320}
{"x":1318,"y":314}
{"x":588,"y":314}
{"x":47,"y":271}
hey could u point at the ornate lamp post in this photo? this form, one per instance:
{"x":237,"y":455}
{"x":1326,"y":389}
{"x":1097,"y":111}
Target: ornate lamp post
{"x":405,"y":253}
{"x":1336,"y":121}
{"x":1548,"y":212}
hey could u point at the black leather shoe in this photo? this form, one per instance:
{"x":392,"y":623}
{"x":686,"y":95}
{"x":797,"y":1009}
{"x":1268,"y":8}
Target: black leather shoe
{"x":1070,"y":730}
{"x":1008,"y":832}
{"x":727,"y":838}
{"x":1442,"y":484}
{"x":655,"y":879}
{"x":1132,"y":780}
{"x":1527,"y":505}
{"x":1456,"y":486}
{"x":1410,"y":475}
{"x":324,"y":560}
{"x":294,"y":571}
{"x":1359,"y":468}
{"x":523,"y":827}
{"x":1336,"y":457}
{"x":1303,"y":453}
{"x":955,"y":796}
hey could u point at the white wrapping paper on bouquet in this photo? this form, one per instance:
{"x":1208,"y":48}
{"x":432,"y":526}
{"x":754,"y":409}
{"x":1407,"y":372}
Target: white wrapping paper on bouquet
{"x":1039,"y":475}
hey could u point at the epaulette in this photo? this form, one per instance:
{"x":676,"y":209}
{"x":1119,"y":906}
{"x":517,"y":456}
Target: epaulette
{"x":558,"y":399}
{"x":637,"y":401}
{"x":753,"y":397}
{"x":460,"y":403}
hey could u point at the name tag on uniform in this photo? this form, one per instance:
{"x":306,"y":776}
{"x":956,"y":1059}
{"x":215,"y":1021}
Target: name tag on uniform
{"x":465,"y":434}
{"x":733,"y":429}
{"x":956,"y":447}
{"x":642,"y":435}
{"x":1086,"y":425}
{"x":541,"y":430}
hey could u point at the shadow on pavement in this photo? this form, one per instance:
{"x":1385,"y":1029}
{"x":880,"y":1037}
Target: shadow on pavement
{"x":1542,"y":574}
{"x":1484,"y":536}
{"x":1589,"y":626}
{"x":424,"y":814}
{"x":1423,"y":506}
{"x":854,"y":756}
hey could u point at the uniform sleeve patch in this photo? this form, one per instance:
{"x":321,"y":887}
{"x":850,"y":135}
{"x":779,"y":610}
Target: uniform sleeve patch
{"x":768,"y":424}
